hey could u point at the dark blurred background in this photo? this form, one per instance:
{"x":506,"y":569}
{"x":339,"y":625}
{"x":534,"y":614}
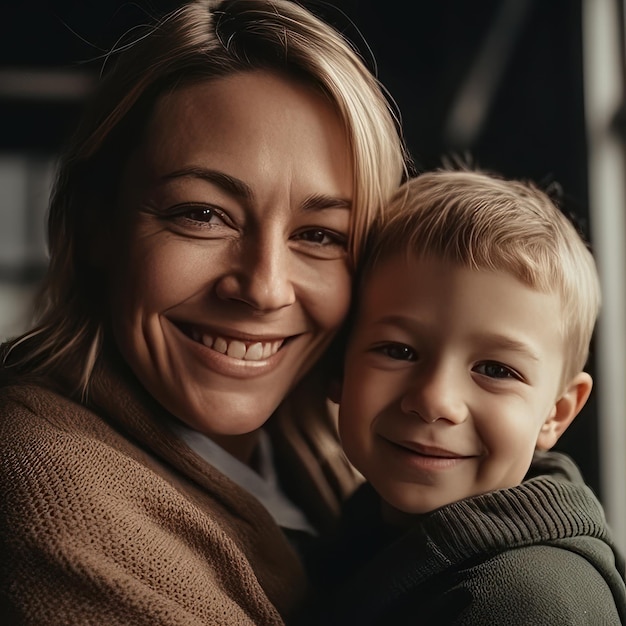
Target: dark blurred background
{"x":500,"y":80}
{"x":517,"y":62}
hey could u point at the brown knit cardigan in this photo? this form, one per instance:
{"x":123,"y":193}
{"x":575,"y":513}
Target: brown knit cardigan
{"x":107,"y":519}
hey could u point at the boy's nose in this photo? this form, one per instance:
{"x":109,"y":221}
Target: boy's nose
{"x":436,"y":395}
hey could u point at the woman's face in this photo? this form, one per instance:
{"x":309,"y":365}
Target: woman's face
{"x":231,"y":273}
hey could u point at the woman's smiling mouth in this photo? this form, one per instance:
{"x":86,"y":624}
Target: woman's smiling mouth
{"x":240,"y":349}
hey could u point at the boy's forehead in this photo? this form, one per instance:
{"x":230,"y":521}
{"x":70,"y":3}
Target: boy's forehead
{"x":436,"y":289}
{"x":398,"y":265}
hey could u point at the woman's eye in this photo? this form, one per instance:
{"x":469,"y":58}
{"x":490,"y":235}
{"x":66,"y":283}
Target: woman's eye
{"x":322,"y":237}
{"x":398,"y":352}
{"x":492,"y":369}
{"x":198,"y":220}
{"x":200,"y":213}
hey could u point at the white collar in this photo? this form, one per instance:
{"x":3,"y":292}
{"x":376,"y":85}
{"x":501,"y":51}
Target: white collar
{"x":263,"y":485}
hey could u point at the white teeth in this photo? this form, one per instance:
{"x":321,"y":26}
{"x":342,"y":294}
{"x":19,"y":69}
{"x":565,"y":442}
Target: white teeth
{"x":236,"y":349}
{"x":221,"y":345}
{"x":254,"y":352}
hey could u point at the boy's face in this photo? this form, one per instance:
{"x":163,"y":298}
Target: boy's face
{"x":452,"y":379}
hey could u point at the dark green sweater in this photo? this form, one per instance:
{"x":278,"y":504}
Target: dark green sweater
{"x":537,"y":554}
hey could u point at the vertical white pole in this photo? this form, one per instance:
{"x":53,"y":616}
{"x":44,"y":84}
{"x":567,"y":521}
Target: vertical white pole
{"x":603,"y":62}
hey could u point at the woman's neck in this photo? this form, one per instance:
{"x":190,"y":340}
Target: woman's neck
{"x":242,"y":447}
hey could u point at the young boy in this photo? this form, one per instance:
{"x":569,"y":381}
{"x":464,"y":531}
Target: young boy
{"x":473,"y":321}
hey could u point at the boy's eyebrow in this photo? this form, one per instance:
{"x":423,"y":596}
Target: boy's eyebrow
{"x":239,"y":189}
{"x":489,"y":340}
{"x":506,"y":342}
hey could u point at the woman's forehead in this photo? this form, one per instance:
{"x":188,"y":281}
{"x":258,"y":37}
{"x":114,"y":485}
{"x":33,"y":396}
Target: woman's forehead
{"x":290,"y":137}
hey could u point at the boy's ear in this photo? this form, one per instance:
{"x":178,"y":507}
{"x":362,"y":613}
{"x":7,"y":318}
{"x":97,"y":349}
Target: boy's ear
{"x":565,"y":410}
{"x":334,"y":390}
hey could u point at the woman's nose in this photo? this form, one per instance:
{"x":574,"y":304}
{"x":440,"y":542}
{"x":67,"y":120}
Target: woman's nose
{"x":261,"y":276}
{"x":436,"y":394}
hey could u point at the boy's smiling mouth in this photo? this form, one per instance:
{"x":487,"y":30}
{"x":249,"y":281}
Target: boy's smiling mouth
{"x":431,"y":451}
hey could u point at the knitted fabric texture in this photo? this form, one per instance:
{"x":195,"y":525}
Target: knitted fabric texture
{"x":107,"y":519}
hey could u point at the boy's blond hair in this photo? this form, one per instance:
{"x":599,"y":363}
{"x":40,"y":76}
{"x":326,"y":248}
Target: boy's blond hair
{"x":484,"y":222}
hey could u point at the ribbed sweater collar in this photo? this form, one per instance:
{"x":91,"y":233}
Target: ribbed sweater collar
{"x":541,"y":510}
{"x":538,"y":510}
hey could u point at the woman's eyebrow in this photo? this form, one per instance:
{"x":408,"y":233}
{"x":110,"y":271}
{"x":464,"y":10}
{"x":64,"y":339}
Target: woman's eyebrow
{"x":319,"y":202}
{"x":237,"y":188}
{"x":230,"y":184}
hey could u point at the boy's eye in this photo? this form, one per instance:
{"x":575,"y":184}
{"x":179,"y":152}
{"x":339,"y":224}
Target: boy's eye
{"x":493,"y":369}
{"x":398,"y":351}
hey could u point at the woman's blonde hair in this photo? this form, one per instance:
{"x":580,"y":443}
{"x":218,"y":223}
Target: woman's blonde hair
{"x":482,"y":221}
{"x":201,"y":40}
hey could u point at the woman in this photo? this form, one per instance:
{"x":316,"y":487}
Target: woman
{"x":202,"y":231}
